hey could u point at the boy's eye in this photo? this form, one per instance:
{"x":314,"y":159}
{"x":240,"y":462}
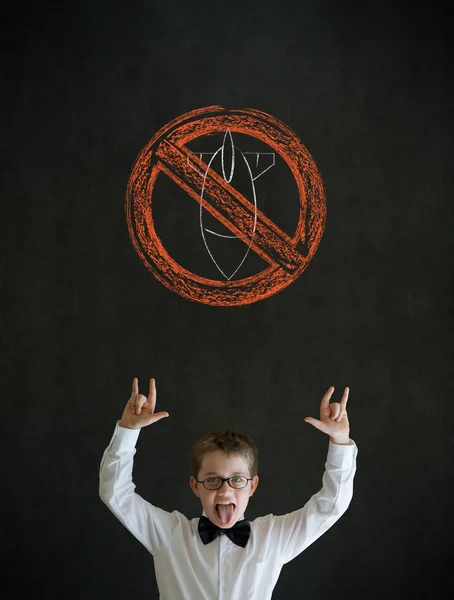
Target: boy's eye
{"x":238,"y":481}
{"x":212,"y":479}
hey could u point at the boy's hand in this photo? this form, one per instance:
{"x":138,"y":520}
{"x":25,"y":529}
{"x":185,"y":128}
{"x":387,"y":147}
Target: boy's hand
{"x":139,"y":411}
{"x":333,"y":418}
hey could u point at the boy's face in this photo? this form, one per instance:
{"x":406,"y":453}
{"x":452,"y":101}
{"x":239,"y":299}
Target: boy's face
{"x":218,"y":464}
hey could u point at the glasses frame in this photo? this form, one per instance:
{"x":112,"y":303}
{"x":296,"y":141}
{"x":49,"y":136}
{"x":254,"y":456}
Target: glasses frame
{"x":223,"y":480}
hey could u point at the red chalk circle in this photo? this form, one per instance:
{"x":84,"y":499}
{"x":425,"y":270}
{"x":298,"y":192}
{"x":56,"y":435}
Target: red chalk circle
{"x":167,"y":152}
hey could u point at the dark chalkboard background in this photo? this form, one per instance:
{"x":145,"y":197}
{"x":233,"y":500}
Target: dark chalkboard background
{"x":368,"y":89}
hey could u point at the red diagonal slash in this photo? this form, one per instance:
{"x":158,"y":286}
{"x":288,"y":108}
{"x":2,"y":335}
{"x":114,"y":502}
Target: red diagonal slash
{"x":227,"y":205}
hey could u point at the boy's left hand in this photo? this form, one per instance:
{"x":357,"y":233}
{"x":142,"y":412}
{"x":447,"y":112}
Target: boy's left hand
{"x":333,"y":418}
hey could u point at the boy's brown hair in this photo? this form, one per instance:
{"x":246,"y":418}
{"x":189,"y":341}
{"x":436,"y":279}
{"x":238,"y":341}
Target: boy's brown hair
{"x":227,"y":441}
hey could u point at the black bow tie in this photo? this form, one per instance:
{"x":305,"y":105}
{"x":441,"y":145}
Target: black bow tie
{"x":239,"y":533}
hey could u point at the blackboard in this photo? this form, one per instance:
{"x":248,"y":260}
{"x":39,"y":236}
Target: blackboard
{"x":368,"y":91}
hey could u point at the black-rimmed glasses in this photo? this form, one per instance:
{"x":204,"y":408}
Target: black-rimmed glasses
{"x":215,"y":483}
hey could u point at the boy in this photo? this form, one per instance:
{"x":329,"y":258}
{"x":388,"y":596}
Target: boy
{"x":221,"y":555}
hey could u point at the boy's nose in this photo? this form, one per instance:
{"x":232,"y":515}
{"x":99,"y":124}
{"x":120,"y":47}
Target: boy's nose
{"x":225,"y":489}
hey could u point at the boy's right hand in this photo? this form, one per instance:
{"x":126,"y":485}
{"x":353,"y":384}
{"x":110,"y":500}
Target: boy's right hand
{"x":139,"y":411}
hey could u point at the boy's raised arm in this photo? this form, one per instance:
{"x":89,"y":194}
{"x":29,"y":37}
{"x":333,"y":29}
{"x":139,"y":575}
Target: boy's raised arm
{"x":149,"y":524}
{"x":295,"y":531}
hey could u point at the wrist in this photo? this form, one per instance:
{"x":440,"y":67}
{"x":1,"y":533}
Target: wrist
{"x":126,"y":425}
{"x":340,"y":441}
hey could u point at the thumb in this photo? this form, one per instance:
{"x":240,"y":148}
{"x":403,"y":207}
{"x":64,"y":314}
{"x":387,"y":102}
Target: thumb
{"x":316,"y":423}
{"x":158,"y":416}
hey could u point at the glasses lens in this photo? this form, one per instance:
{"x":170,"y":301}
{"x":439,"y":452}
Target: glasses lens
{"x":238,"y":482}
{"x":212,"y":483}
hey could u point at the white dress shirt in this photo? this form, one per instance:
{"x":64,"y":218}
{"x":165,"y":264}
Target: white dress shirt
{"x":185,"y":568}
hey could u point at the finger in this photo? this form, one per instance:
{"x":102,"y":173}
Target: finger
{"x":158,"y":416}
{"x":316,"y":423}
{"x":134,"y":392}
{"x":324,"y":405}
{"x":335,"y":409}
{"x":140,"y":400}
{"x":152,"y":394}
{"x":345,"y":397}
{"x":343,"y":404}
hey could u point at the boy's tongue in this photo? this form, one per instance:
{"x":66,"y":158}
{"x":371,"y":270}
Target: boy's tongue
{"x":225,"y":512}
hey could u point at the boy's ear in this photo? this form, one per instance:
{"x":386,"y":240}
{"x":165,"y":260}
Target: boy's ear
{"x":194,"y":486}
{"x":254,"y":484}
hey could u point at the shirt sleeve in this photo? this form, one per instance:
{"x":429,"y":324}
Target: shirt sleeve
{"x":294,"y":532}
{"x":152,"y":526}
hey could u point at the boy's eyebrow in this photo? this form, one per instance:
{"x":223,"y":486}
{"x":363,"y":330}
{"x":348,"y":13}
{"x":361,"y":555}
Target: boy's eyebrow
{"x":217,"y":474}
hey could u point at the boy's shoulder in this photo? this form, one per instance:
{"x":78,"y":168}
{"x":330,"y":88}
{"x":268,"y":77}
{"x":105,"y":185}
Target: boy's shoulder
{"x":262,"y":520}
{"x":264,"y":523}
